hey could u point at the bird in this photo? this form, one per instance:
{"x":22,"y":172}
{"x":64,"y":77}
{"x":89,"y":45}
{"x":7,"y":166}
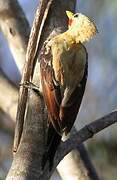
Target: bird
{"x":64,"y":70}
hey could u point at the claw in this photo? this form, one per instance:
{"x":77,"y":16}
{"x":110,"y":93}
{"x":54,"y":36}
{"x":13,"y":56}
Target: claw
{"x":31,"y":86}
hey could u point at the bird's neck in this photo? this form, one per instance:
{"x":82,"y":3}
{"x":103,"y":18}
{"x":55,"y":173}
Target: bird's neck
{"x":81,"y":35}
{"x":74,"y":35}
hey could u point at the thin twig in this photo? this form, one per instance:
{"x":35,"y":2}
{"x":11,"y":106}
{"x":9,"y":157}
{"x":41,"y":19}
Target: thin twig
{"x":27,"y":75}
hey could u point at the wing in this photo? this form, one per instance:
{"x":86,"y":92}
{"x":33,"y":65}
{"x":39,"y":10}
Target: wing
{"x":62,"y":117}
{"x":51,"y":89}
{"x":52,"y":97}
{"x":69,"y":112}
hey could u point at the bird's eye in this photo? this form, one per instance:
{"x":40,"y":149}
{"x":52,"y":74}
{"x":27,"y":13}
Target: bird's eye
{"x":76,"y":15}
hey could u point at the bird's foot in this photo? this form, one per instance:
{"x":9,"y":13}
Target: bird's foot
{"x":31,"y":86}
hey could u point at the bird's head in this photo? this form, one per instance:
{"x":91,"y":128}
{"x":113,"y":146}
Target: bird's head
{"x":81,"y":26}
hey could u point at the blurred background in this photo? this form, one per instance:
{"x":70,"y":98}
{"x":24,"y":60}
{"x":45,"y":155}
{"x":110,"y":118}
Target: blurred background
{"x":101,"y":91}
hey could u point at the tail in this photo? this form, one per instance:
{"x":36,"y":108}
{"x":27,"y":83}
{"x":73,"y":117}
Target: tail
{"x":53,"y":141}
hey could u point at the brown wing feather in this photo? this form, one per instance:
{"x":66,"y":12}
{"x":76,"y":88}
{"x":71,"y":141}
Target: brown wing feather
{"x":52,"y":97}
{"x":60,"y":118}
{"x":51,"y":91}
{"x":68,"y":114}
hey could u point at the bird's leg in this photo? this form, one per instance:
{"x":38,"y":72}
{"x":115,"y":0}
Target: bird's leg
{"x":31,"y":86}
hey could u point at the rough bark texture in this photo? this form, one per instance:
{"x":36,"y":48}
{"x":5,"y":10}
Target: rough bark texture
{"x":28,"y":156}
{"x":27,"y":74}
{"x":16,"y":29}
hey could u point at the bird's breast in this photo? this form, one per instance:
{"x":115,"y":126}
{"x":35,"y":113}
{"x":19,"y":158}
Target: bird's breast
{"x":68,"y":63}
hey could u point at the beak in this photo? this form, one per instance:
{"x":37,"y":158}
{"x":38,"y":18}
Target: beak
{"x":69,"y":14}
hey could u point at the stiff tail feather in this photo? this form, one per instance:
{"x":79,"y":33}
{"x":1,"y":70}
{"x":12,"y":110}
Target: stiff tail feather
{"x":53,"y":141}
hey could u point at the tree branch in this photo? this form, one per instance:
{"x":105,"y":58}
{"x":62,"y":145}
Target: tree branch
{"x":27,"y":75}
{"x":81,"y":136}
{"x":8,"y":101}
{"x":15,"y":28}
{"x":25,"y":163}
{"x":27,"y":160}
{"x":84,"y":134}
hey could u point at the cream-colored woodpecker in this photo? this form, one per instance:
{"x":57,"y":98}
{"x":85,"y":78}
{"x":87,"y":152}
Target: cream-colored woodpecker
{"x":63,"y":67}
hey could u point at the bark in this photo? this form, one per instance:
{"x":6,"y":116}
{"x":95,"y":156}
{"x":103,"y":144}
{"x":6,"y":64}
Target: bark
{"x":77,"y":165}
{"x":26,"y":162}
{"x":15,"y":28}
{"x":8,"y":101}
{"x":27,"y":75}
{"x":87,"y":132}
{"x":33,"y":132}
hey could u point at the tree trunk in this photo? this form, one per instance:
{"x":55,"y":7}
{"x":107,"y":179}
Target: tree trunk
{"x":26,"y":162}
